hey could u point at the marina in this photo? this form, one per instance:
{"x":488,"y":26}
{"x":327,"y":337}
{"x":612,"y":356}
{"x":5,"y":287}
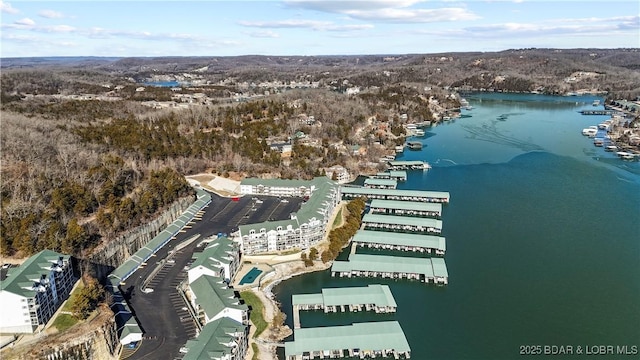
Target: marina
{"x":352,"y":192}
{"x":363,"y":340}
{"x":400,"y":241}
{"x":426,"y":270}
{"x":406,"y":208}
{"x":492,"y":308}
{"x":396,"y":223}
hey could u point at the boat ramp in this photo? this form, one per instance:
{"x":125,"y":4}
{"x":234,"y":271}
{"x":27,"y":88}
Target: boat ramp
{"x":400,"y":241}
{"x":427,"y":270}
{"x":363,"y":340}
{"x":406,"y":208}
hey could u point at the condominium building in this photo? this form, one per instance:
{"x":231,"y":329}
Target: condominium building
{"x":222,"y":339}
{"x":212,"y":299}
{"x":304,"y":229}
{"x":220,"y":258}
{"x":31,"y":293}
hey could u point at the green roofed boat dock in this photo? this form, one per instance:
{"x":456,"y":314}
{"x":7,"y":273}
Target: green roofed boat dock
{"x":395,"y":175}
{"x":376,"y":183}
{"x":427,"y":270}
{"x":352,"y":192}
{"x":404,"y":224}
{"x":374,"y":297}
{"x":400,"y":241}
{"x":363,"y":340}
{"x":406,"y":208}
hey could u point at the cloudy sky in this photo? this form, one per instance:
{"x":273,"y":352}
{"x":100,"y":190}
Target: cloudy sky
{"x":310,"y":27}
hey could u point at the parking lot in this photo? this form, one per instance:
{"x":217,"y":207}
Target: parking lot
{"x":162,"y":312}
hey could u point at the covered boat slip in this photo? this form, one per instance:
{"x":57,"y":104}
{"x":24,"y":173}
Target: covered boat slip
{"x":400,"y":241}
{"x":407,"y":165}
{"x":372,"y":339}
{"x":376,"y":183}
{"x":402,"y":223}
{"x":396,"y":175}
{"x":406,"y":208}
{"x":374,"y":297}
{"x":351,"y":192}
{"x":393,"y":267}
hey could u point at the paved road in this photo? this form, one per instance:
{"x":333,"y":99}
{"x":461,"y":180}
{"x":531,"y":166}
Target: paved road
{"x":162,"y":314}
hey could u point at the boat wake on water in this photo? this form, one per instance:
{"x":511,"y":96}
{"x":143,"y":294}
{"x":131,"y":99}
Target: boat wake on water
{"x":449,"y":160}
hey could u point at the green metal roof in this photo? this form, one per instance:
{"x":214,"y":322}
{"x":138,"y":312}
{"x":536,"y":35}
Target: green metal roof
{"x":307,"y":299}
{"x":275,"y":182}
{"x":214,"y":296}
{"x":323,"y":189}
{"x":214,"y":340}
{"x":20,"y":280}
{"x":395,"y":192}
{"x":393,"y":174}
{"x":400,"y":239}
{"x":401,"y":220}
{"x":379,"y":335}
{"x":383,"y":263}
{"x":405,"y":162}
{"x":439,"y":267}
{"x":406,"y":205}
{"x":380,"y":182}
{"x":143,"y":254}
{"x":379,"y":295}
{"x":218,"y":251}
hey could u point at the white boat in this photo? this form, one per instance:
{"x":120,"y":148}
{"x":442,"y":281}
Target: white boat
{"x":589,"y":132}
{"x":628,"y":157}
{"x":603,"y":126}
{"x":399,"y":149}
{"x":598,"y":142}
{"x":623,"y":153}
{"x":418,"y":132}
{"x":446,"y":118}
{"x":611,"y":148}
{"x":596,"y":102}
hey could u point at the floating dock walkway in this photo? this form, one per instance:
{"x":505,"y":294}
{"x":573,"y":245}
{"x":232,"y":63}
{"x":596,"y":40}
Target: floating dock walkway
{"x":400,"y":241}
{"x":427,"y":270}
{"x":371,"y":339}
{"x":374,"y":297}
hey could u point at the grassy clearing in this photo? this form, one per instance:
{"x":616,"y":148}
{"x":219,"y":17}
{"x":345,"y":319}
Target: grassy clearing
{"x":67,"y":304}
{"x":338,"y":220}
{"x":257,"y":311}
{"x":256,"y":351}
{"x":64,"y":321}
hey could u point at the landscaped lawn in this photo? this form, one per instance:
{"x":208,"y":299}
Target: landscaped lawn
{"x":257,"y":311}
{"x":64,"y":321}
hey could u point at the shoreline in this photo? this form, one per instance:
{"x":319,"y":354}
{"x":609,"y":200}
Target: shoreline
{"x":268,"y":341}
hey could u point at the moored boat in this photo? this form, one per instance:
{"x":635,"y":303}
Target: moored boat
{"x":611,"y":148}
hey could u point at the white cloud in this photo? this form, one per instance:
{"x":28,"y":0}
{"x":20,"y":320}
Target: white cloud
{"x":339,"y":6}
{"x":400,"y":11}
{"x":25,"y":22}
{"x":414,"y":15}
{"x":57,"y":29}
{"x":5,"y":7}
{"x":292,"y":23}
{"x":305,"y":24}
{"x":263,"y":34}
{"x":549,"y":28}
{"x":51,"y":14}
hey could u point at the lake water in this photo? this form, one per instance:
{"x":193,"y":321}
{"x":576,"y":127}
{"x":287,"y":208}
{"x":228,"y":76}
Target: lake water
{"x":543,"y":238}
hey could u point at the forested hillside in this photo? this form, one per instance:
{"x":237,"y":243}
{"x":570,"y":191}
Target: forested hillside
{"x":84,"y":157}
